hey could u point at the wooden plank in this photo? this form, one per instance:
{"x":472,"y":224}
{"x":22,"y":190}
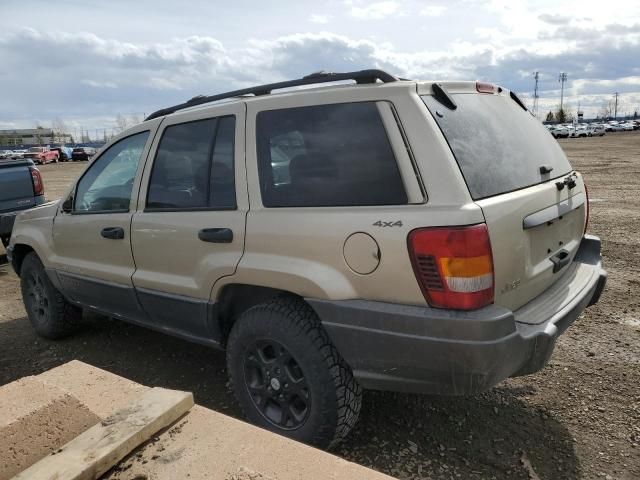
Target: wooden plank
{"x":92,"y":453}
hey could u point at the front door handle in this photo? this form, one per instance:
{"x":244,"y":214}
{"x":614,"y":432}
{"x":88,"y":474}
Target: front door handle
{"x":216,"y":235}
{"x":114,"y":233}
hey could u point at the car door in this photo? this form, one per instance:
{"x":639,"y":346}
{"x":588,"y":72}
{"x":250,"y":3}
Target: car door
{"x":188,"y":230}
{"x":91,"y":232}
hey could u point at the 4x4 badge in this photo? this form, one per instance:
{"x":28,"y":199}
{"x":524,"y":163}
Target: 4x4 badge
{"x":380,"y":223}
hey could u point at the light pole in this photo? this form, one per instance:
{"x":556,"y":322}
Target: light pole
{"x":535,"y":95}
{"x":562,"y":79}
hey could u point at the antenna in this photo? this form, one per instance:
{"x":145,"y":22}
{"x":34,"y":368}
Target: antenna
{"x":536,"y":75}
{"x":562,"y":79}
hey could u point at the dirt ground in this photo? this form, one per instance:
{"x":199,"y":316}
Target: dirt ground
{"x":577,"y":418}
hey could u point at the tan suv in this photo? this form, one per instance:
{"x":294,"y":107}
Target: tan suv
{"x":388,"y":234}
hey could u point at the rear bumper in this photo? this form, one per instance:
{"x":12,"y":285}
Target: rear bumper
{"x":7,"y":219}
{"x":426,"y":350}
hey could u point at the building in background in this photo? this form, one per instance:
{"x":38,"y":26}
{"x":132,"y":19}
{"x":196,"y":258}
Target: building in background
{"x":34,"y":136}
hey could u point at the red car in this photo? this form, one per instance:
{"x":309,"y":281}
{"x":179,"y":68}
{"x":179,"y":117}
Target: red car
{"x":42,"y":155}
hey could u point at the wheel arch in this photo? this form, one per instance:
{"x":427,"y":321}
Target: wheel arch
{"x":236,"y":298}
{"x":19,"y":253}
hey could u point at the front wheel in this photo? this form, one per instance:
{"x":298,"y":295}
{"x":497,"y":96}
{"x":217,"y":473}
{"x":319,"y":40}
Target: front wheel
{"x":287,"y":375}
{"x":50,"y":314}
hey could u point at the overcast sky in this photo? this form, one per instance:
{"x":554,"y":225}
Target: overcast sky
{"x":85,"y":62}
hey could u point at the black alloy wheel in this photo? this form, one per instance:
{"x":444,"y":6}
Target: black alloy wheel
{"x":287,"y":375}
{"x":48,"y":311}
{"x":276,"y":384}
{"x":37,"y":299}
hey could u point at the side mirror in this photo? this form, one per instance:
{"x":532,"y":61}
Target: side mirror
{"x":67,"y":205}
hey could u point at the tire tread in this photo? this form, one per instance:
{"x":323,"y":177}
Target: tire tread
{"x":65,"y":318}
{"x":303,"y":321}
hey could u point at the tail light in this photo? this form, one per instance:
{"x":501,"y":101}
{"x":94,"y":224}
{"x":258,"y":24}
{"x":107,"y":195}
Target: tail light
{"x":36,"y":179}
{"x":484,"y":87}
{"x":586,"y":207}
{"x":453,"y":265}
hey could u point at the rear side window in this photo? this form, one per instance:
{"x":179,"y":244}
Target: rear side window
{"x":326,"y":155}
{"x":499,"y":146}
{"x":193,"y":168}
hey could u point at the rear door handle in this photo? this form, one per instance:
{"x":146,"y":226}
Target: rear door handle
{"x":560,"y":260}
{"x":114,"y":233}
{"x":216,"y":235}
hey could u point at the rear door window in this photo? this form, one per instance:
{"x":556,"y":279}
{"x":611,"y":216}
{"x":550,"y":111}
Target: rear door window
{"x":499,"y":146}
{"x":194,"y":167}
{"x":326,"y":155}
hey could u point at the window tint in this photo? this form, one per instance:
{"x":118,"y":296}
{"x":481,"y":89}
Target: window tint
{"x":193,"y":168}
{"x":327,"y":155}
{"x":107,"y":184}
{"x":498,"y":145}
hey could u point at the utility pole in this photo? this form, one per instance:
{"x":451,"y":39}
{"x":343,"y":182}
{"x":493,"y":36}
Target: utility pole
{"x":535,"y":95}
{"x":615,"y":115}
{"x":562,"y":79}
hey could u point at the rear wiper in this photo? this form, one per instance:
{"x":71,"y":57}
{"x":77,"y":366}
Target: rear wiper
{"x":441,"y":95}
{"x":516,"y":99}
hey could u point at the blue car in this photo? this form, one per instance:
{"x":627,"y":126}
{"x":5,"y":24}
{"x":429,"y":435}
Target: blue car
{"x":65,"y":152}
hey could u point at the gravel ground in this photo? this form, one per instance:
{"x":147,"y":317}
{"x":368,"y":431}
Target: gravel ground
{"x":577,"y":418}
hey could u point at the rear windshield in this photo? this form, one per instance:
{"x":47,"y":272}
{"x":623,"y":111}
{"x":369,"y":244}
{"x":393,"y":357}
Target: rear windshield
{"x":499,"y":146}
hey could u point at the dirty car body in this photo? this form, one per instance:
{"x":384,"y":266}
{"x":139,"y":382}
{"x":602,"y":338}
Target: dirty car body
{"x":430,"y":234}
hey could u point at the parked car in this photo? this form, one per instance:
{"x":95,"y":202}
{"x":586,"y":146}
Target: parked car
{"x":82,"y":153}
{"x":578,"y":131}
{"x":596,"y":130}
{"x":21,"y":187}
{"x":17,"y":154}
{"x":64,"y":153}
{"x":614,"y":126}
{"x":560,"y":131}
{"x":6,"y":154}
{"x":398,"y":252}
{"x":42,"y":155}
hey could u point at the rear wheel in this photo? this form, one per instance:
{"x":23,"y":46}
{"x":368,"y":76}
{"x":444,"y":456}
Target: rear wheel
{"x":287,"y":375}
{"x":50,"y":314}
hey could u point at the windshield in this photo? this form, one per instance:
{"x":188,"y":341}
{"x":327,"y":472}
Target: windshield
{"x":499,"y":146}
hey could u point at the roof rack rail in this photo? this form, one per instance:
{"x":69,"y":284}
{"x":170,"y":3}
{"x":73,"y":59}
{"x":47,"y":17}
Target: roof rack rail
{"x":362,"y":76}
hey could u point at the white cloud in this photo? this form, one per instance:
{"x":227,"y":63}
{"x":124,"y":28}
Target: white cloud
{"x":97,"y":84}
{"x":318,"y":18}
{"x":432,"y":11}
{"x":505,"y":41}
{"x":375,"y":11}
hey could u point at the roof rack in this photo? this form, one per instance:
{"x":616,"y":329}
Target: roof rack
{"x":362,"y":76}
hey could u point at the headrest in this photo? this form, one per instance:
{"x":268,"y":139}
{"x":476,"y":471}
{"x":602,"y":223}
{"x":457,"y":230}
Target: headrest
{"x":312,"y":166}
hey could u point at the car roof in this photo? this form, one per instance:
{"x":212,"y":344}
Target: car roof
{"x":313,"y":83}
